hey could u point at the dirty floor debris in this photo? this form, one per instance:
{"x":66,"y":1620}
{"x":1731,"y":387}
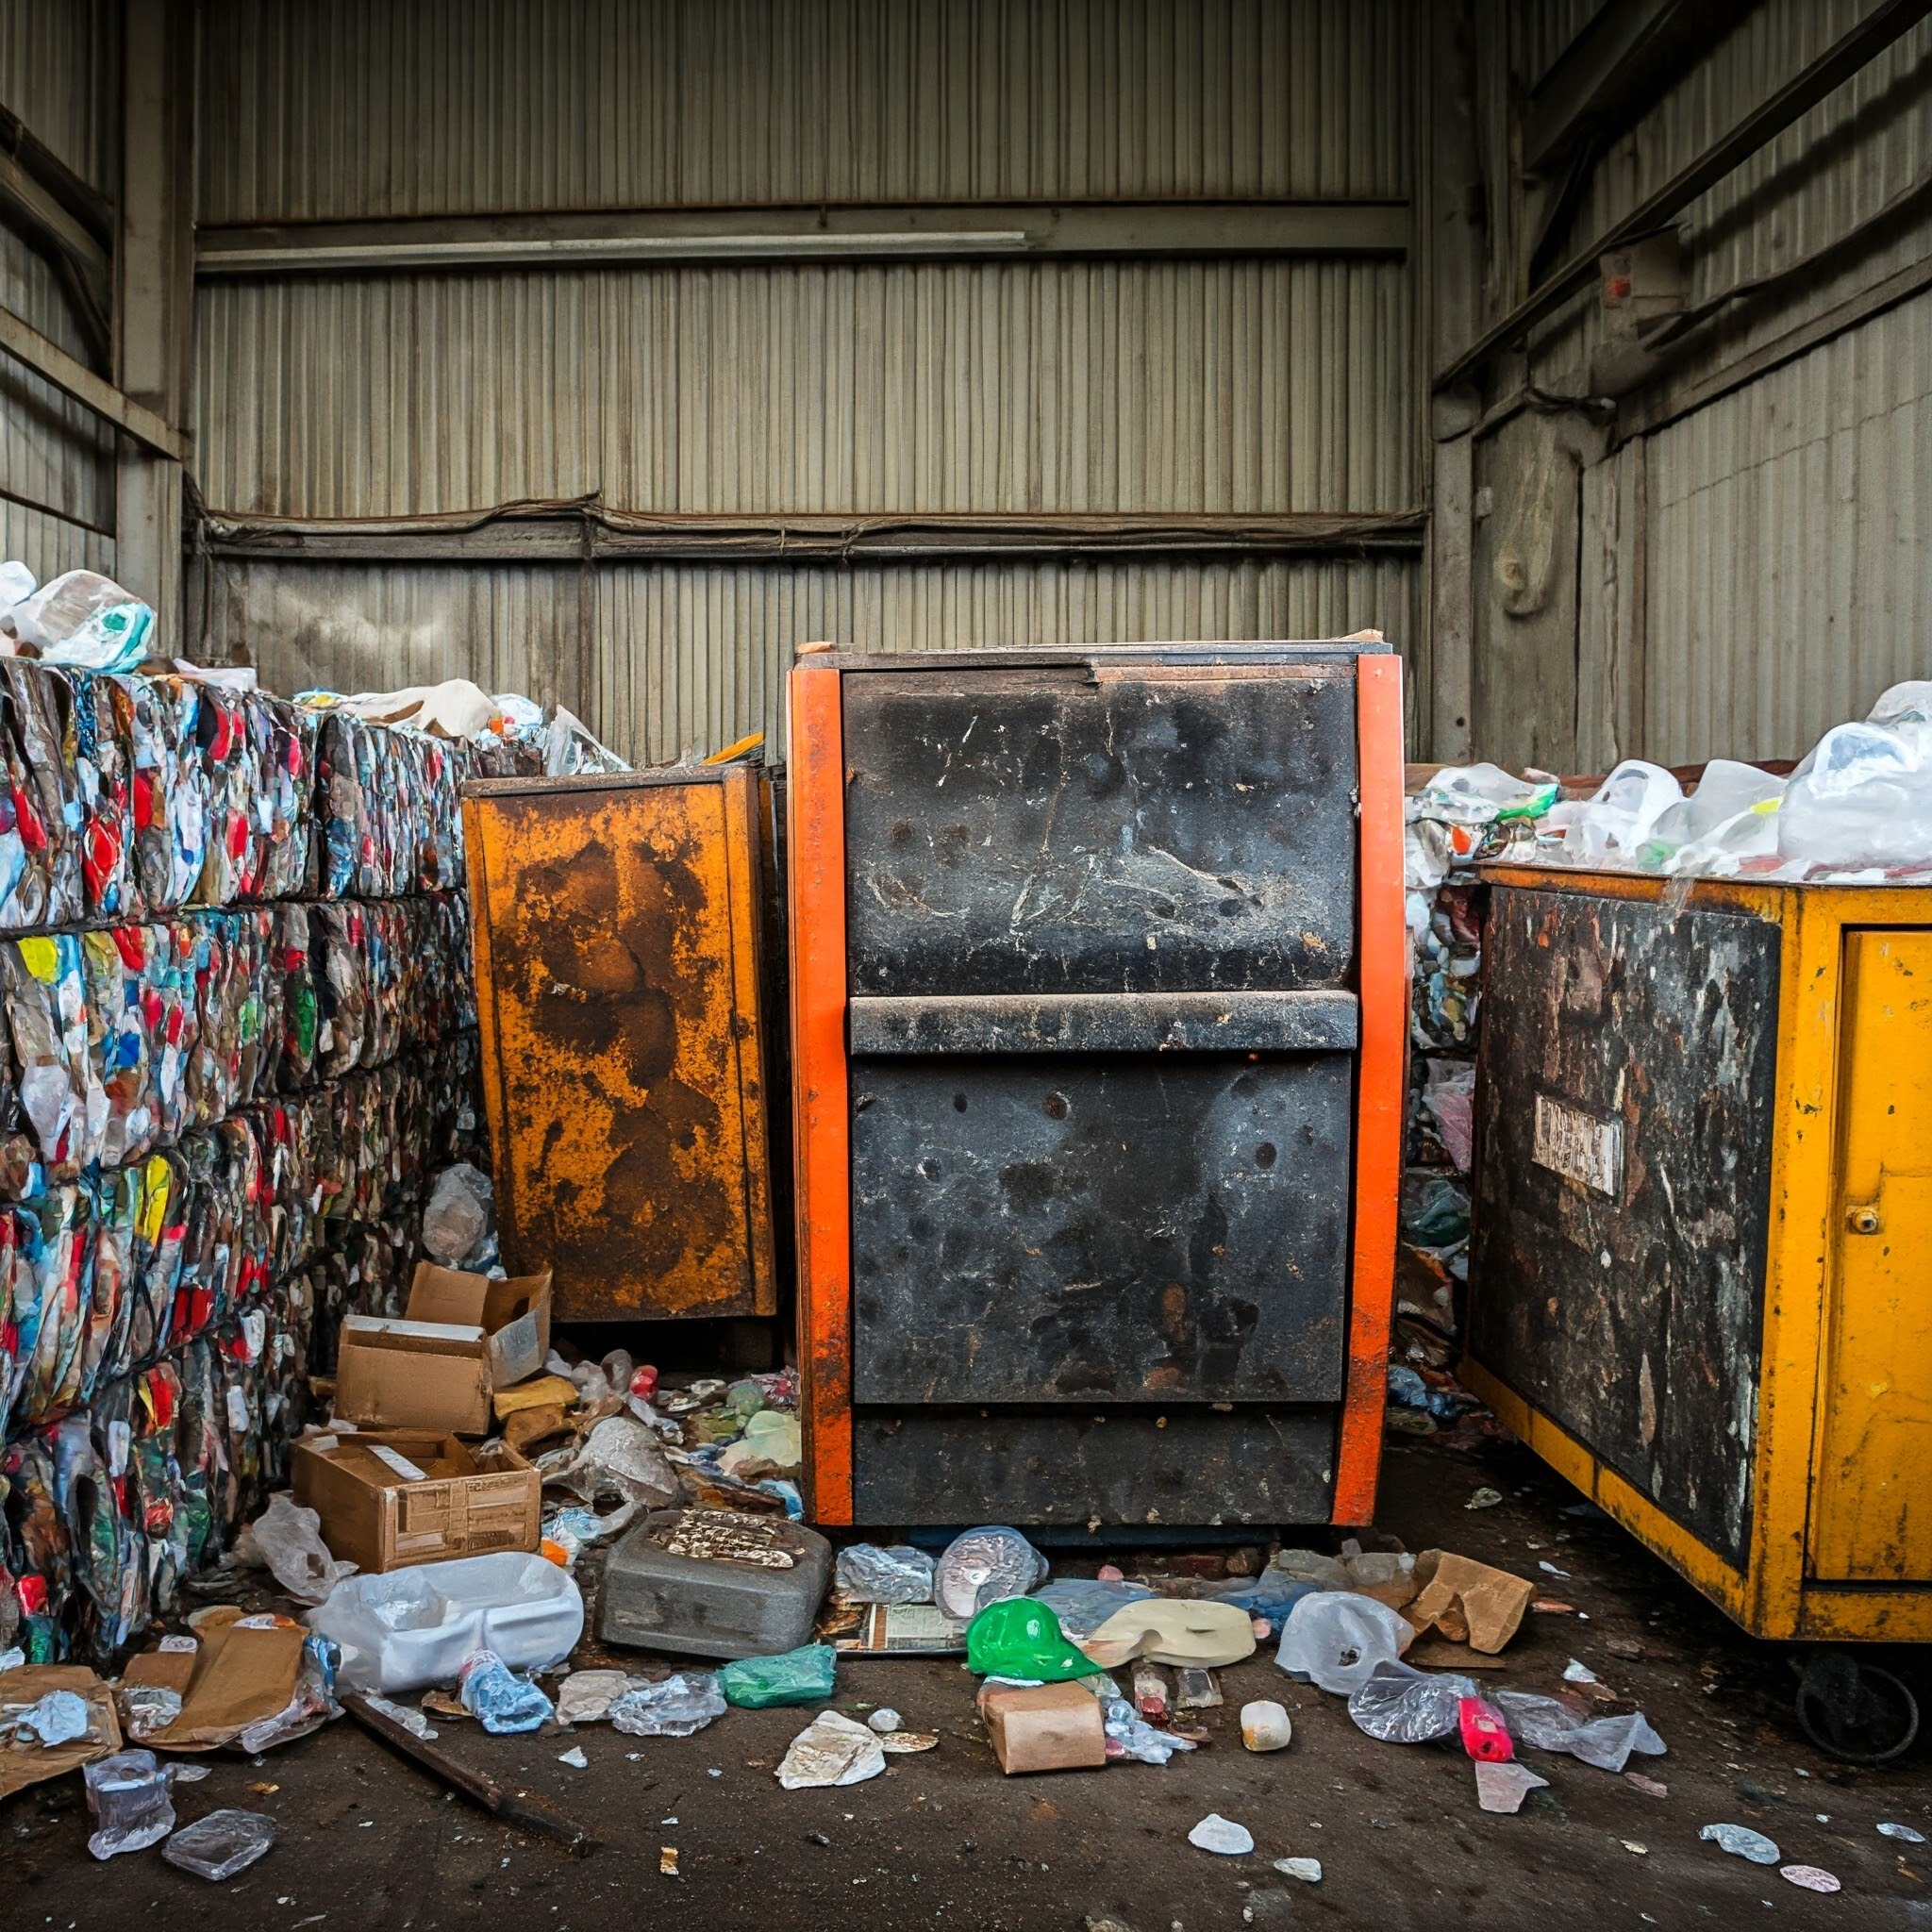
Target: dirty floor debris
{"x":941,"y":1839}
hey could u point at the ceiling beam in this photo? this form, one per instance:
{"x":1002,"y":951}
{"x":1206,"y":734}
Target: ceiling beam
{"x":898,"y":231}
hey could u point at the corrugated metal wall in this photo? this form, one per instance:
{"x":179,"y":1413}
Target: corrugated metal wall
{"x":1057,"y":386}
{"x":58,"y":71}
{"x":317,"y":108}
{"x":1753,"y":536}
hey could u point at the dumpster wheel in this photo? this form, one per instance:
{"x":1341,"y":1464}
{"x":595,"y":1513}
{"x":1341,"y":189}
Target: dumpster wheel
{"x":1855,"y":1712}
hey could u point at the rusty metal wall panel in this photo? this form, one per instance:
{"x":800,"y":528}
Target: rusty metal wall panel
{"x":1215,"y":386}
{"x":619,"y":969}
{"x":1790,"y":575}
{"x":1624,"y":1185}
{"x":317,"y":108}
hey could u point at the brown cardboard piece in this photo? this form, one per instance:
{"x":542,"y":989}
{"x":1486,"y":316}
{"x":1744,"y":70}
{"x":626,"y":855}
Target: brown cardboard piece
{"x":392,"y":1497}
{"x":439,"y":1364}
{"x":29,"y":1763}
{"x":1467,"y":1601}
{"x":1050,"y":1728}
{"x":242,"y":1670}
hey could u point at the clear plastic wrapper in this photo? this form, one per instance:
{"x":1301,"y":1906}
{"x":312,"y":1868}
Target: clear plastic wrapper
{"x":129,"y":1795}
{"x":1336,"y":1638}
{"x":1401,"y":1705}
{"x":676,"y":1707}
{"x":1607,"y":1742}
{"x":457,"y":1221}
{"x":221,"y":1844}
{"x":1143,"y":1742}
{"x":868,"y":1574}
{"x":982,"y":1567}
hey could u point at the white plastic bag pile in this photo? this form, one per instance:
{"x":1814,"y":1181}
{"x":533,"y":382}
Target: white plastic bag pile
{"x":1857,"y":810}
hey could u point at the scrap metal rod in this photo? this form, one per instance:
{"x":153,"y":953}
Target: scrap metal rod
{"x":514,"y":1803}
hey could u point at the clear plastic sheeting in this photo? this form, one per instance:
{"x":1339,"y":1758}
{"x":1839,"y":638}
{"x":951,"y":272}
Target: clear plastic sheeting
{"x":676,"y":1707}
{"x":1403,"y":1706}
{"x":868,"y":1574}
{"x":286,"y":1540}
{"x":223,"y":1844}
{"x":1335,"y":1640}
{"x":128,"y":1794}
{"x":1607,"y":1742}
{"x":457,"y":1223}
{"x":83,"y":619}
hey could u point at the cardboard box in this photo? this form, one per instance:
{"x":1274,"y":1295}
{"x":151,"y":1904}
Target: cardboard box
{"x":392,"y":1497}
{"x":1050,"y":1728}
{"x":438,"y":1366}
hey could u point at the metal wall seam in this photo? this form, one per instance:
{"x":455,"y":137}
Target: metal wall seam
{"x":343,"y":108}
{"x":1216,"y":386}
{"x":1791,"y":547}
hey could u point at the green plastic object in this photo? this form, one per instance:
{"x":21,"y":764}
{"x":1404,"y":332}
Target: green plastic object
{"x":1019,"y":1638}
{"x":795,"y":1676}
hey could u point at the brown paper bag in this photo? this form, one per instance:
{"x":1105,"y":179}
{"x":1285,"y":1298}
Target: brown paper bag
{"x":1467,"y":1601}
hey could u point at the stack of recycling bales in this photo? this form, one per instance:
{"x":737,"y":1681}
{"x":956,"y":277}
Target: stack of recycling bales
{"x":238,"y":1040}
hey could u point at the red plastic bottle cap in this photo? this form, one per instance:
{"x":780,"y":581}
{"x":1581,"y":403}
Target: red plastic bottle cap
{"x":1484,"y":1735}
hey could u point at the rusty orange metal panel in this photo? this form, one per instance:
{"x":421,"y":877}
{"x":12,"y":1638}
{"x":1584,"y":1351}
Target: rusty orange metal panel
{"x":619,"y":983}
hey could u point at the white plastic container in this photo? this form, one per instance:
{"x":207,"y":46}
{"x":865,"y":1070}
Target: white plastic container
{"x":408,"y":1628}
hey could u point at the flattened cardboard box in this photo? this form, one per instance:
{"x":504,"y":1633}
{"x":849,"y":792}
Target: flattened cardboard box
{"x":462,"y":1338}
{"x":392,"y":1497}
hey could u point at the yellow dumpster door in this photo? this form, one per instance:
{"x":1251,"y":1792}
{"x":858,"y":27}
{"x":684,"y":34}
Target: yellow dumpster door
{"x":1872,"y":1484}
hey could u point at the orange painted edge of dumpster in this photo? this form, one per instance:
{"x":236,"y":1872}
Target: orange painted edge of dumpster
{"x":821,"y":1119}
{"x":477,"y":826}
{"x":741,"y":867}
{"x":1382,"y":954}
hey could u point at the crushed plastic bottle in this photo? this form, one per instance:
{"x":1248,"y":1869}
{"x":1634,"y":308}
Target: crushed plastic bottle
{"x":805,"y":1675}
{"x":1485,"y":1736}
{"x":223,"y":1844}
{"x":868,"y":1574}
{"x":457,"y":1221}
{"x":129,"y":1798}
{"x":1403,"y":1706}
{"x":1128,"y":1736}
{"x":982,"y":1567}
{"x":675,"y":1708}
{"x":499,"y":1699}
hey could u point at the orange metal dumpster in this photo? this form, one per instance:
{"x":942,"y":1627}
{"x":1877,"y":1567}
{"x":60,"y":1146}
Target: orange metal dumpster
{"x":618,"y":925}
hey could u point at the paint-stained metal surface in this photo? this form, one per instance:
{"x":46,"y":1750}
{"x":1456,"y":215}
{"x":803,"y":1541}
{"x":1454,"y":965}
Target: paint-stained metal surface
{"x":1093,"y":829}
{"x":1626,"y":1122}
{"x":1123,"y":1466}
{"x":1070,"y":1229}
{"x":618,"y":935}
{"x":1102,"y":1007}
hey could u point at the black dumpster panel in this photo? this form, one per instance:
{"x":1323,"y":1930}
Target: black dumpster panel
{"x":1624,"y":1185}
{"x":935,"y":1465}
{"x":1058,"y":829}
{"x":1096,"y":1228}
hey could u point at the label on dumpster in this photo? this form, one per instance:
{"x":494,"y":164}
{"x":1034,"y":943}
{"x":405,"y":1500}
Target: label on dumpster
{"x":1579,"y":1146}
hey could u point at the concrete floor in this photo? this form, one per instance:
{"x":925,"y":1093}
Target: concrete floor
{"x":943,"y":1839}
